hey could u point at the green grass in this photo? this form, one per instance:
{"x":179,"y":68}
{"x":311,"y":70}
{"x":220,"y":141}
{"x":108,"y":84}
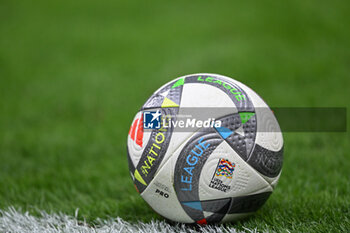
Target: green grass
{"x":74,"y":73}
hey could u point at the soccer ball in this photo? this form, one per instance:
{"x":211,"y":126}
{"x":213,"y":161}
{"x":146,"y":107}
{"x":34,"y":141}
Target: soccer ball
{"x":205,"y":148}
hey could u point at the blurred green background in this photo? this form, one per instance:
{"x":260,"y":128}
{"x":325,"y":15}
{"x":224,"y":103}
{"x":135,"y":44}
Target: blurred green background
{"x":74,"y":73}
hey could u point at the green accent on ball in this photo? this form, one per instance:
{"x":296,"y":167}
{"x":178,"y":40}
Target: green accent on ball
{"x":245,"y":116}
{"x":179,"y":82}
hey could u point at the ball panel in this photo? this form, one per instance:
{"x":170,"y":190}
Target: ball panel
{"x":188,"y":168}
{"x":164,"y":181}
{"x":248,"y":203}
{"x":153,"y":153}
{"x":177,"y":142}
{"x":167,"y":96}
{"x":161,"y":196}
{"x":235,"y":92}
{"x":268,"y":136}
{"x":269,"y":133}
{"x":215,"y":210}
{"x":197,"y":95}
{"x":137,"y":139}
{"x":225,"y":174}
{"x":267,"y":162}
{"x":243,"y":132}
{"x":204,"y":102}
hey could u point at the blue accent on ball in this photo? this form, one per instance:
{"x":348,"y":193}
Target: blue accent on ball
{"x":194,"y":205}
{"x":224,"y":132}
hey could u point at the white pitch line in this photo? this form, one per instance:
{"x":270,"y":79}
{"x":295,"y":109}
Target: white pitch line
{"x":12,"y":220}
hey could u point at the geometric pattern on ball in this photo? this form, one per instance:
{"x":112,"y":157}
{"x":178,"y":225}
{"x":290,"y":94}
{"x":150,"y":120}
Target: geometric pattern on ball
{"x":243,"y":128}
{"x":167,"y":96}
{"x":153,"y":153}
{"x":175,"y":178}
{"x":188,"y":169}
